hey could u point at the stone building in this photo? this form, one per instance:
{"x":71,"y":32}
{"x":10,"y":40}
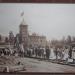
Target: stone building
{"x":31,"y":40}
{"x":24,"y":33}
{"x":36,"y":40}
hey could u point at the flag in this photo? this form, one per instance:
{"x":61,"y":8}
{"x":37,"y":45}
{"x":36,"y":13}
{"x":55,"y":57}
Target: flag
{"x":22,"y":13}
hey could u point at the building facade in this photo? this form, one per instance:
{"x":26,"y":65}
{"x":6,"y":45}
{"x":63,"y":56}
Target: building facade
{"x":37,"y":41}
{"x":24,"y":33}
{"x":33,"y":40}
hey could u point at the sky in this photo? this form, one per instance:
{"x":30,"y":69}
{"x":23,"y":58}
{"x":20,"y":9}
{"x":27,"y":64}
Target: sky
{"x":51,"y":20}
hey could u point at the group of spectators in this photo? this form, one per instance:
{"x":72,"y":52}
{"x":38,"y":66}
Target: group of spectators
{"x":59,"y":53}
{"x":39,"y":52}
{"x":4,"y":51}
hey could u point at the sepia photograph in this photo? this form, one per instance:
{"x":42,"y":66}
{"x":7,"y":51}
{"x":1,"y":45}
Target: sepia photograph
{"x":37,"y":37}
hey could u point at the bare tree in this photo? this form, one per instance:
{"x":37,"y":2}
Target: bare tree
{"x":6,"y":40}
{"x":69,"y":40}
{"x":0,"y":38}
{"x":11,"y":37}
{"x":73,"y":38}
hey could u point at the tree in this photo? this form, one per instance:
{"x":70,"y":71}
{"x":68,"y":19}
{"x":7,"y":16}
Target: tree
{"x":17,"y":41}
{"x":6,"y":40}
{"x":0,"y":38}
{"x":11,"y":37}
{"x":63,"y":40}
{"x":73,"y":39}
{"x":69,"y":40}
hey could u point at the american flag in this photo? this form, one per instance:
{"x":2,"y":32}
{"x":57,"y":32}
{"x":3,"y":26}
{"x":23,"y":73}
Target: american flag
{"x":22,"y":13}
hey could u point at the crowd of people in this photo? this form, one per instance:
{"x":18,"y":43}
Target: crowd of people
{"x":39,"y":52}
{"x":47,"y":53}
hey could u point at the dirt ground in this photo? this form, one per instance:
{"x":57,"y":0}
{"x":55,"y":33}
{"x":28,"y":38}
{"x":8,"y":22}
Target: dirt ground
{"x":33,"y":65}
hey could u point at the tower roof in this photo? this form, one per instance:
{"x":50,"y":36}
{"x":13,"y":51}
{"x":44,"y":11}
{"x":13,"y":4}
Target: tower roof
{"x":23,"y":22}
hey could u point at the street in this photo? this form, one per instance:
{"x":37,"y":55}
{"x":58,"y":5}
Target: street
{"x":35,"y":65}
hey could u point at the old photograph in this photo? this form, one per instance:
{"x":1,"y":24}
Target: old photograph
{"x":37,"y":37}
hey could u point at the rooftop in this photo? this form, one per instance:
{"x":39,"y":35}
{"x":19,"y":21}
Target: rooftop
{"x":23,"y":22}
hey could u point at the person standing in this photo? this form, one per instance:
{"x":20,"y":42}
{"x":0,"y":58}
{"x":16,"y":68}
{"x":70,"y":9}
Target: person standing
{"x":44,"y":53}
{"x":36,"y":52}
{"x":70,"y":52}
{"x":47,"y":52}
